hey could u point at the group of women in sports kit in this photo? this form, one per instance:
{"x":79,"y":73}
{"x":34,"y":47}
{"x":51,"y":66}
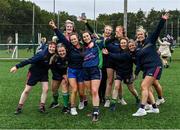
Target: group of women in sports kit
{"x":91,"y":63}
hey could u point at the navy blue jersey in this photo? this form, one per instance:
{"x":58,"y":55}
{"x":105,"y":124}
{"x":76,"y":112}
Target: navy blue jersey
{"x":124,"y":62}
{"x":112,"y":46}
{"x":75,"y":56}
{"x":133,"y":56}
{"x":93,"y":56}
{"x":146,"y":54}
{"x":59,"y":65}
{"x":39,"y":62}
{"x":101,"y":37}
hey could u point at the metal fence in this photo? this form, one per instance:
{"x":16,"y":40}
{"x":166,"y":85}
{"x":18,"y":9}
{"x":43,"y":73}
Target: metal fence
{"x":19,"y":41}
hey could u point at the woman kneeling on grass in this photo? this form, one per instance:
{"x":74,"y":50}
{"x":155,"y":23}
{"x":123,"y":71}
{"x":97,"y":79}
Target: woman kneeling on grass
{"x":38,"y":72}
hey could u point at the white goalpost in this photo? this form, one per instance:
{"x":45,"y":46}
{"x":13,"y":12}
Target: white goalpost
{"x":15,"y":49}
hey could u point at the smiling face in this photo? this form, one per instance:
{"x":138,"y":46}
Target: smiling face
{"x":74,"y":39}
{"x":119,"y":31}
{"x":69,"y":28}
{"x":140,"y":35}
{"x":107,"y":31}
{"x":132,"y":46}
{"x":52,"y":48}
{"x":61,"y":51}
{"x":123,"y":44}
{"x":86,"y":37}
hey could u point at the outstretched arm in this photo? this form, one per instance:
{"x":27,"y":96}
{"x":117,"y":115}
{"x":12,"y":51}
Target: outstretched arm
{"x":34,"y":59}
{"x":88,"y":27}
{"x":156,"y":33}
{"x":60,"y":36}
{"x":87,"y":24}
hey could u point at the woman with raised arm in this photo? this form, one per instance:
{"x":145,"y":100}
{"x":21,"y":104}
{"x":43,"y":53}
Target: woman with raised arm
{"x":150,"y":63}
{"x":156,"y":85}
{"x":38,"y":72}
{"x":75,"y":61}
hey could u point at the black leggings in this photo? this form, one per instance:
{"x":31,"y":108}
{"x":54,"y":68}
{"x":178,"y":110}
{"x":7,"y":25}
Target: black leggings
{"x":102,"y":87}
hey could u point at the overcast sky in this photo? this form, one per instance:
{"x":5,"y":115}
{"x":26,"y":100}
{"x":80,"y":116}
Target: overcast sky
{"x":76,"y":7}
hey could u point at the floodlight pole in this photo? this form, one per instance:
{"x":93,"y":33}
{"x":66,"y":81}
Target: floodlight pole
{"x":171,"y":28}
{"x":34,"y":48}
{"x":54,"y":3}
{"x":178,"y":32}
{"x":58,"y":19}
{"x":125,"y":16}
{"x":94,"y":15}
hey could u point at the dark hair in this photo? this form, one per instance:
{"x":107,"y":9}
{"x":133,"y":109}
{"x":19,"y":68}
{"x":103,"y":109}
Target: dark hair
{"x":127,"y":40}
{"x":51,"y":42}
{"x":84,"y":43}
{"x":54,"y":58}
{"x":74,"y":33}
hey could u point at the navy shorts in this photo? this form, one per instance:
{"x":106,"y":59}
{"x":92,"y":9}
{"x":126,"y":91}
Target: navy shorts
{"x":109,"y":63}
{"x":154,"y":72}
{"x":58,"y":75}
{"x":75,"y":73}
{"x":34,"y":77}
{"x":92,"y":73}
{"x":126,"y":78}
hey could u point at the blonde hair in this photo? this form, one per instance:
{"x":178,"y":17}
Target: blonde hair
{"x":69,"y":22}
{"x":141,"y":29}
{"x":108,"y":26}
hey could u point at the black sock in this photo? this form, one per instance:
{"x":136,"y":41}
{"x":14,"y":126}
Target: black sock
{"x":154,"y":105}
{"x":159,"y":97}
{"x":96,"y":110}
{"x":142,"y":106}
{"x":148,"y":102}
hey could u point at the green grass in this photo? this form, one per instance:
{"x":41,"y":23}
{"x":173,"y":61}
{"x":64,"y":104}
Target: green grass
{"x":22,"y":53}
{"x":11,"y":86}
